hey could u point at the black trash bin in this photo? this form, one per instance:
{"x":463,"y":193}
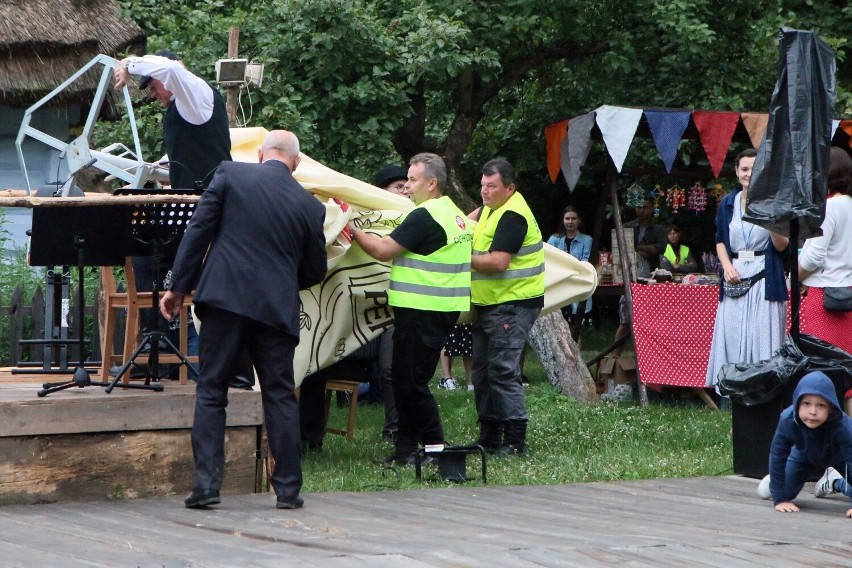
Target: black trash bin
{"x":761,"y":391}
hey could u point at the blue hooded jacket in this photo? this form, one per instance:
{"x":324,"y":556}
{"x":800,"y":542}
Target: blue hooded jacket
{"x":829,"y":444}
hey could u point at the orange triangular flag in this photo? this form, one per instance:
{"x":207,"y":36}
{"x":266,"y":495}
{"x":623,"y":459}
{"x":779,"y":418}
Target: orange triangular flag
{"x":755,"y":124}
{"x":846,"y":126}
{"x":554,"y":135}
{"x":716,"y":129}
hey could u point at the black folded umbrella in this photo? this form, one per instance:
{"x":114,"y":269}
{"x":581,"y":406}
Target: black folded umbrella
{"x":789,"y":177}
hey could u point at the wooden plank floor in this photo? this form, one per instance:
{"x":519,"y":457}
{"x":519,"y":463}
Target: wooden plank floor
{"x":715,"y":521}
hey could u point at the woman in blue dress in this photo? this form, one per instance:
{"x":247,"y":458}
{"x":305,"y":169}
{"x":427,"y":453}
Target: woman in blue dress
{"x":751,"y":317}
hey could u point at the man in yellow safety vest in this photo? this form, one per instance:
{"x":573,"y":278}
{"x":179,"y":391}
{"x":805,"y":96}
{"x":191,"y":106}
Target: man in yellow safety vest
{"x":507,"y":291}
{"x":429,"y":287}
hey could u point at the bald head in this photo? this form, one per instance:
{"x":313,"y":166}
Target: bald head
{"x":281,"y":145}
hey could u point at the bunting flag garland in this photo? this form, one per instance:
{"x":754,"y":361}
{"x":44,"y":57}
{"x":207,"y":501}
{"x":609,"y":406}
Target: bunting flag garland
{"x":569,"y":142}
{"x":618,"y":127}
{"x":554,"y":135}
{"x":755,"y":124}
{"x":697,"y":198}
{"x":667,"y":128}
{"x":579,"y":145}
{"x":716,"y":130}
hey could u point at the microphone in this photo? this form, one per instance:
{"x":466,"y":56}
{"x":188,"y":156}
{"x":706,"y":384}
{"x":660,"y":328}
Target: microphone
{"x":59,"y":186}
{"x":197,"y":185}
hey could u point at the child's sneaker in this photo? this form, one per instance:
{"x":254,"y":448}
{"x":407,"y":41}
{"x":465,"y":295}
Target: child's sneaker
{"x":763,"y":488}
{"x":448,"y":383}
{"x":825,"y":486}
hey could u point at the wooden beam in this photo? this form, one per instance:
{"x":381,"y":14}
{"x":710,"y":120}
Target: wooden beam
{"x":232,"y":92}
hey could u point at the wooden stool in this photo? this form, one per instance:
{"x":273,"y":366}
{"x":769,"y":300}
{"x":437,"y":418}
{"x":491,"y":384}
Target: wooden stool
{"x":350,"y":387}
{"x":133,"y":302}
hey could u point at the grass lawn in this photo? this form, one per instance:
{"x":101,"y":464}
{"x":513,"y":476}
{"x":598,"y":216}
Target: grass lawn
{"x":567,"y":442}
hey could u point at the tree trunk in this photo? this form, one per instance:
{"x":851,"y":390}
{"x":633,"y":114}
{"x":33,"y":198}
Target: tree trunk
{"x":560,"y":357}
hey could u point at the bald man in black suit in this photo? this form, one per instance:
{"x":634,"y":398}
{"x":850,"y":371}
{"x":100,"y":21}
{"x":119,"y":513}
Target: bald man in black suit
{"x":265,"y":238}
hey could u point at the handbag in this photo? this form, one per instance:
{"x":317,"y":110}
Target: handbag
{"x":744,"y":285}
{"x":837,"y":299}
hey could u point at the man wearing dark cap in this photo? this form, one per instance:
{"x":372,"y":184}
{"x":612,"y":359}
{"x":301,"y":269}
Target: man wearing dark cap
{"x":195,"y":126}
{"x":196,"y":139}
{"x":392,"y":178}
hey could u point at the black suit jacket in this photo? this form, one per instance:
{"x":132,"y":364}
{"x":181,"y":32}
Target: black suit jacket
{"x":265,"y":239}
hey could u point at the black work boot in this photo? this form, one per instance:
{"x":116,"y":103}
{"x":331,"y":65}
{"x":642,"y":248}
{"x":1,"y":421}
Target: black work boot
{"x":490,"y":435}
{"x":515,"y":439}
{"x":403,"y":453}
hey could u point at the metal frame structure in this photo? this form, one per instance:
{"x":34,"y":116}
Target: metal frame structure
{"x":77,"y":152}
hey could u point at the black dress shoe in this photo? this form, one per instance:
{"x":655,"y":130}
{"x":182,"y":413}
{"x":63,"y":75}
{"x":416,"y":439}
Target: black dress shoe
{"x":202,"y":498}
{"x":289,"y":502}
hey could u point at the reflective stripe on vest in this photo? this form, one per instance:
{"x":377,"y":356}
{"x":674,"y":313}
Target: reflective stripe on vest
{"x":524,"y":278}
{"x":440,"y":281}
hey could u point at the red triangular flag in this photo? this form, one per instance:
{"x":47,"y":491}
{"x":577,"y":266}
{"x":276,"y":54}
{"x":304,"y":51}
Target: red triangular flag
{"x":716,"y":129}
{"x":554,"y":135}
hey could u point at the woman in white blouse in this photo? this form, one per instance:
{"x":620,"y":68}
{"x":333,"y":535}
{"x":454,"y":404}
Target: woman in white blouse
{"x":826,"y":261}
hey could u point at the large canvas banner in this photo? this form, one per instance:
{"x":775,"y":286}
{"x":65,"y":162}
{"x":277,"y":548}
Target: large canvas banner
{"x":350,"y":306}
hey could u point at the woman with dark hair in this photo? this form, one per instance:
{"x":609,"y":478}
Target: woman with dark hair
{"x":569,"y":239}
{"x":677,"y":257}
{"x":751,"y":317}
{"x":826,"y":261}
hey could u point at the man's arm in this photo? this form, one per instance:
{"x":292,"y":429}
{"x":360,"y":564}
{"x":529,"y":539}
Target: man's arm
{"x":314,"y":263}
{"x":508,"y":239}
{"x":193,"y":96}
{"x":384,"y":249}
{"x":491,"y":262}
{"x":657,"y":244}
{"x":193,"y":246}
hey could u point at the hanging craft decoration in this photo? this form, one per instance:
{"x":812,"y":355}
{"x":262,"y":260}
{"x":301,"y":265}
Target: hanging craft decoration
{"x":657,"y":194}
{"x":675,"y":198}
{"x":635,"y":196}
{"x":697,"y":199}
{"x":718,"y":192}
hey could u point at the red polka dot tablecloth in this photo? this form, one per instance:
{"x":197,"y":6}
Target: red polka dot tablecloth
{"x":672,"y":329}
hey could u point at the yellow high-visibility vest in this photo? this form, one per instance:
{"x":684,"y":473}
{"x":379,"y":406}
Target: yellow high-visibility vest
{"x":524,"y":278}
{"x":440,"y":281}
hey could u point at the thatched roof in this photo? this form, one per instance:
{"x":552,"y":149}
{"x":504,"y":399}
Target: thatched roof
{"x":43,"y":42}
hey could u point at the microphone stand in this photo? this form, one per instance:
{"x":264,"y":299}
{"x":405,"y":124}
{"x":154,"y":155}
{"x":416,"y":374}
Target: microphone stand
{"x":81,"y":377}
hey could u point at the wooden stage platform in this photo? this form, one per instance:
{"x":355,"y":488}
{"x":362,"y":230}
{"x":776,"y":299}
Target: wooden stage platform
{"x":83,"y":444}
{"x":97,"y":480}
{"x":716,"y":521}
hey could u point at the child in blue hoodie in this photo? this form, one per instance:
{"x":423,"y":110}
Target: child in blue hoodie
{"x":813,"y":433}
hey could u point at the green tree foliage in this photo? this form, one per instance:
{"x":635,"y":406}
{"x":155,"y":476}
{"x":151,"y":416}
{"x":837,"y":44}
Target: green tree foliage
{"x":369,"y":82}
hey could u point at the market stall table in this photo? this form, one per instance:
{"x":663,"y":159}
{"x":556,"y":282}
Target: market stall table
{"x":673,"y":329}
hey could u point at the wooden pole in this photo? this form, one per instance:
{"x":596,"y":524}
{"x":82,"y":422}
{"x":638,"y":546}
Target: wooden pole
{"x":626,"y":269}
{"x":232,"y":92}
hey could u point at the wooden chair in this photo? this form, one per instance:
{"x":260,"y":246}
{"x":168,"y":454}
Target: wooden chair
{"x":351,"y":388}
{"x":133,"y":301}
